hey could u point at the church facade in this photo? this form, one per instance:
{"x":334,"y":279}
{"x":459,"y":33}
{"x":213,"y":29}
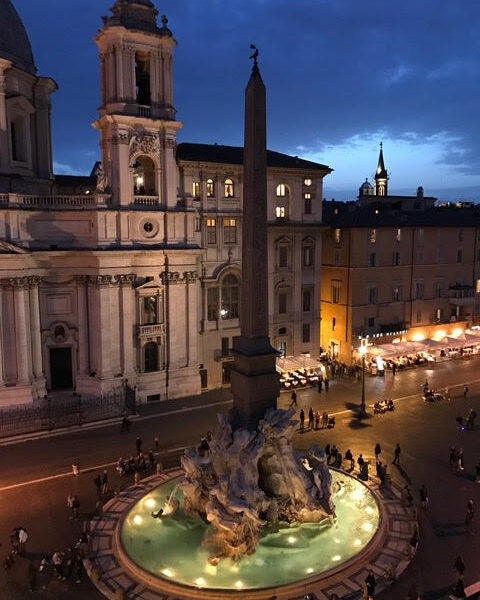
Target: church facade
{"x":132,"y":274}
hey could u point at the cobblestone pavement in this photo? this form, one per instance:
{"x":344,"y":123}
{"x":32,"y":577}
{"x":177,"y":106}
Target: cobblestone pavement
{"x":424,"y":431}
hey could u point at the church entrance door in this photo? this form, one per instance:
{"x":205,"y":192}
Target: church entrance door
{"x":61,"y":368}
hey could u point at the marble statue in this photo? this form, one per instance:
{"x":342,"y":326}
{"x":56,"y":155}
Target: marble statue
{"x":247,"y":479}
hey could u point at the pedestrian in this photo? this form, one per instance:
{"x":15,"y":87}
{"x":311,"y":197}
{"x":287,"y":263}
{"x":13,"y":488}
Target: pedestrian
{"x":424,"y":496}
{"x":324,"y":419}
{"x":32,"y":576}
{"x":394,"y":369}
{"x":151,"y":459}
{"x":447,"y":394}
{"x":333,"y":453}
{"x":302,"y":420}
{"x":159,"y":468}
{"x":125,"y":425}
{"x":23,"y":537}
{"x":293,"y":398}
{"x":425,"y":386}
{"x":465,"y":391}
{"x":311,"y":418}
{"x":459,"y":566}
{"x":470,"y":512}
{"x":349,"y":456}
{"x":75,"y":470}
{"x":453,"y":456}
{"x":98,"y":484}
{"x":75,"y":507}
{"x":157,"y":443}
{"x":360,"y":461}
{"x":413,"y":543}
{"x":378,"y":450}
{"x":105,"y":482}
{"x":138,"y":445}
{"x":70,"y":504}
{"x":77,"y":568}
{"x":327,"y":383}
{"x":317,"y":419}
{"x":396,"y":460}
{"x":370,"y":581}
{"x":407,"y":497}
{"x":327,"y":452}
{"x":319,"y":384}
{"x":136,"y":478}
{"x":459,"y":590}
{"x":57,"y":562}
{"x":460,"y":461}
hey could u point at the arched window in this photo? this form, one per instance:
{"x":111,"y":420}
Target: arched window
{"x":151,"y":357}
{"x":142,"y":79}
{"x":230,"y":298}
{"x":229,"y":188}
{"x":210,"y":188}
{"x":281,"y":190}
{"x":144,"y":177}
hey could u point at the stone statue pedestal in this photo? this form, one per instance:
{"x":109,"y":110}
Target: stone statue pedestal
{"x":255,"y":381}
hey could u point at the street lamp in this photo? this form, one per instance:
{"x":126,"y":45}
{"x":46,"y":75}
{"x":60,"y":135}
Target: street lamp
{"x":363,"y":351}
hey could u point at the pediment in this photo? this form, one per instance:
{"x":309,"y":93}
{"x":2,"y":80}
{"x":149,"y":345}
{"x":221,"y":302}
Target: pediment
{"x":8,"y":248}
{"x":154,"y":284}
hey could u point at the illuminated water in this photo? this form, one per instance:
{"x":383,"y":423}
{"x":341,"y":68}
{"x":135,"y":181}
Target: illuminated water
{"x":170,"y":548}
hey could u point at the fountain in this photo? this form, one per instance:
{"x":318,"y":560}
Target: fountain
{"x":247,"y":512}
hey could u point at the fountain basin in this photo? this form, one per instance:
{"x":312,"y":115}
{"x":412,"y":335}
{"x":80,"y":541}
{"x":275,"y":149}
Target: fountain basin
{"x":170,"y":548}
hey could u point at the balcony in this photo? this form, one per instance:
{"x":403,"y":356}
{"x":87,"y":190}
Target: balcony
{"x":54,"y":201}
{"x":222,"y":355}
{"x":461,"y":295}
{"x":144,"y":110}
{"x":146,"y":202}
{"x":144,"y":331}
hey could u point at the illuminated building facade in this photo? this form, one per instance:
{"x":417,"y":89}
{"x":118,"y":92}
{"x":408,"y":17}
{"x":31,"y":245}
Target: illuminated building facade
{"x":397,"y":267}
{"x":133,"y":273}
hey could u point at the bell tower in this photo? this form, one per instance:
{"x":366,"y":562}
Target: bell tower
{"x":137,"y":119}
{"x":381,"y":176}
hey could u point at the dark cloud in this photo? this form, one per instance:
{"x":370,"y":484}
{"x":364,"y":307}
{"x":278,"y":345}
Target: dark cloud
{"x":333,"y":70}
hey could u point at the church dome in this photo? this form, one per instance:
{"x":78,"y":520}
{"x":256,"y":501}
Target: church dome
{"x":14,"y":42}
{"x":366,"y":185}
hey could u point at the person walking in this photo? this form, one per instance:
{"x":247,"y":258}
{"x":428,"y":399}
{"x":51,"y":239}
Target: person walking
{"x":317,"y":419}
{"x":370,"y":581}
{"x":157,"y":443}
{"x":311,"y":419}
{"x":75,"y":507}
{"x":138,"y":445}
{"x":98,"y":484}
{"x":32,"y":576}
{"x":378,"y":450}
{"x":447,"y":394}
{"x":327,"y":383}
{"x":424,"y":496}
{"x":293,"y":399}
{"x":459,"y":566}
{"x":465,"y":391}
{"x":470,"y":512}
{"x":105,"y":482}
{"x":302,"y":420}
{"x":23,"y":537}
{"x":349,"y":456}
{"x":319,"y":384}
{"x":453,"y":456}
{"x":396,"y":460}
{"x":394,"y":369}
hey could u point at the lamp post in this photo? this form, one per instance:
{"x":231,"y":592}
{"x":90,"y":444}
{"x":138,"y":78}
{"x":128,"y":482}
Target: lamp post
{"x":363,"y":351}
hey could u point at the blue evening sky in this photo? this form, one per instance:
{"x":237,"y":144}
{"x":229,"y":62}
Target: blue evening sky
{"x":341,"y":76}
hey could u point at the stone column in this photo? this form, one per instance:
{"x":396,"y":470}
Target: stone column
{"x":104,"y":324}
{"x":127,"y":324}
{"x":177,"y":320}
{"x":4,"y":157}
{"x":36,"y":331}
{"x":255,"y":384}
{"x":82,"y":324}
{"x":192,"y":328}
{"x":2,"y":370}
{"x":119,"y":71}
{"x":21,"y":332}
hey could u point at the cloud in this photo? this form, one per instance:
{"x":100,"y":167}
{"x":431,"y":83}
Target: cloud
{"x":64,"y":169}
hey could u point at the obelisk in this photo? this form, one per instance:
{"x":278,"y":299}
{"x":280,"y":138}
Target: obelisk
{"x":255,"y":382}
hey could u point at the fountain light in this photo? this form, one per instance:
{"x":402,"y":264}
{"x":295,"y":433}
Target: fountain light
{"x":337,"y":557}
{"x":369,"y":510}
{"x":168,"y":572}
{"x":137,"y":519}
{"x":357,"y":542}
{"x":357,"y":494}
{"x":367,"y":527}
{"x":292,"y":540}
{"x":239,"y":585}
{"x":200,"y":581}
{"x":310,"y":570}
{"x":150,"y":503}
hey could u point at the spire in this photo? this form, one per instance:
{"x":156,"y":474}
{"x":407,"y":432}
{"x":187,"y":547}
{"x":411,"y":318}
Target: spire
{"x":381,"y":175}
